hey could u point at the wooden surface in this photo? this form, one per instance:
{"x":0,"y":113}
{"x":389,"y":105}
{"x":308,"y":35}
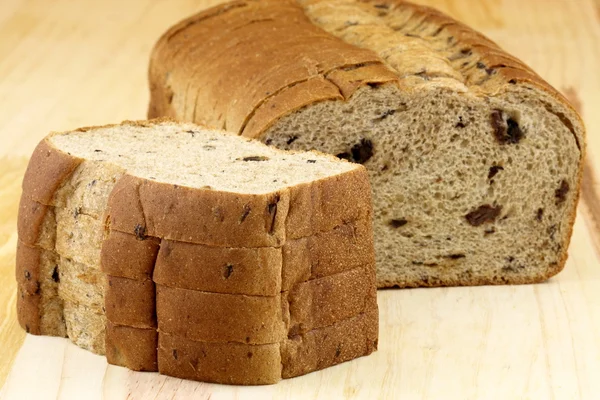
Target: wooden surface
{"x":65,"y":64}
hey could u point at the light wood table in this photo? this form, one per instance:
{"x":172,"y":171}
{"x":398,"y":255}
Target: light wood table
{"x":66,"y":63}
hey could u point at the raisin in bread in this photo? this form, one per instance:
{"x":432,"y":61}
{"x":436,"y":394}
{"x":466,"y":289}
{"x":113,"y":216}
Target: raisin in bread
{"x":475,"y":162}
{"x":154,"y":242}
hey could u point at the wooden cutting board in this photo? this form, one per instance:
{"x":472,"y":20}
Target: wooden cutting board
{"x":65,"y":64}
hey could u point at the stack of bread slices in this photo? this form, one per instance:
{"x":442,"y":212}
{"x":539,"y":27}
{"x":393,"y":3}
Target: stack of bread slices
{"x":198,"y":254}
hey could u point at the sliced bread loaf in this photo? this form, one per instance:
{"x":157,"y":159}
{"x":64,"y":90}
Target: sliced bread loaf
{"x":131,"y":232}
{"x":475,"y":161}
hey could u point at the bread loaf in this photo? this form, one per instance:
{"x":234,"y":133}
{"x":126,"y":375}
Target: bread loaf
{"x":146,"y":240}
{"x":475,"y":162}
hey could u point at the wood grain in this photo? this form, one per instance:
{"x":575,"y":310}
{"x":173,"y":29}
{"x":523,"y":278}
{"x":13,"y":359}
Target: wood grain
{"x":11,"y":334}
{"x":65,"y":64}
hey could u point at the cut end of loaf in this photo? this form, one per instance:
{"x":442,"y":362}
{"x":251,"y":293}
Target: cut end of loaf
{"x":466,"y":190}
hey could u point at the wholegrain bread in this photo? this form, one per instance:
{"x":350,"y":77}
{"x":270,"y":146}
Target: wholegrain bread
{"x":268,"y":363}
{"x":259,"y":271}
{"x":475,"y":161}
{"x":214,"y":317}
{"x":106,"y":252}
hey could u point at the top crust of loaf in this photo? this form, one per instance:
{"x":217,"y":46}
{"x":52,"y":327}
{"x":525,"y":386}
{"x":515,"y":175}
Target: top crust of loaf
{"x":139,"y":206}
{"x":307,"y":65}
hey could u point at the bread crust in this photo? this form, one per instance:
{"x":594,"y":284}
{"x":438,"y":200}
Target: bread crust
{"x":30,"y":223}
{"x":218,"y":317}
{"x":27,"y":269}
{"x":171,"y":58}
{"x":346,"y":247}
{"x":233,"y":270}
{"x":246,"y":364}
{"x":28,"y":311}
{"x":138,"y":205}
{"x":324,"y":347}
{"x":130,"y":302}
{"x":230,"y":363}
{"x":124,"y":255}
{"x":46,"y":171}
{"x":133,"y":348}
{"x":264,"y":271}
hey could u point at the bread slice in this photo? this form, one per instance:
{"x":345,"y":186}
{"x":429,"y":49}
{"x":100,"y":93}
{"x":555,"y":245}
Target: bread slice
{"x":215,"y":220}
{"x":475,"y":161}
{"x":216,"y":317}
{"x":268,"y":363}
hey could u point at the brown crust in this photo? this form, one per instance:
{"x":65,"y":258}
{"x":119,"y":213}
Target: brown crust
{"x":309,"y":52}
{"x":28,"y":311}
{"x":218,"y":317}
{"x":325,"y":301}
{"x":46,"y":171}
{"x":230,"y":363}
{"x":292,"y":97}
{"x":134,"y":348}
{"x":324,"y":347}
{"x":137,"y":206}
{"x":243,"y":364}
{"x":346,"y":247}
{"x":509,"y":68}
{"x":251,"y":271}
{"x":126,"y":256}
{"x":179,"y":54}
{"x":28,"y":267}
{"x":30,"y":221}
{"x":264,"y":271}
{"x":130,"y":302}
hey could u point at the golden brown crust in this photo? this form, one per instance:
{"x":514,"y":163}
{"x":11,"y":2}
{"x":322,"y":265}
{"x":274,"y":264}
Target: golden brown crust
{"x":30,"y":221}
{"x":245,"y":270}
{"x":28,"y":311}
{"x":298,"y":52}
{"x":133,"y":348}
{"x":130,"y":302}
{"x":245,"y":364}
{"x":508,"y":69}
{"x":230,"y":363}
{"x":137,"y":206}
{"x":346,"y":247}
{"x":46,"y":171}
{"x":271,"y":86}
{"x":324,"y":347}
{"x":325,"y":301}
{"x":265,"y":271}
{"x":293,"y":97}
{"x":127,"y":256}
{"x":28,"y":267}
{"x":217,"y":317}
